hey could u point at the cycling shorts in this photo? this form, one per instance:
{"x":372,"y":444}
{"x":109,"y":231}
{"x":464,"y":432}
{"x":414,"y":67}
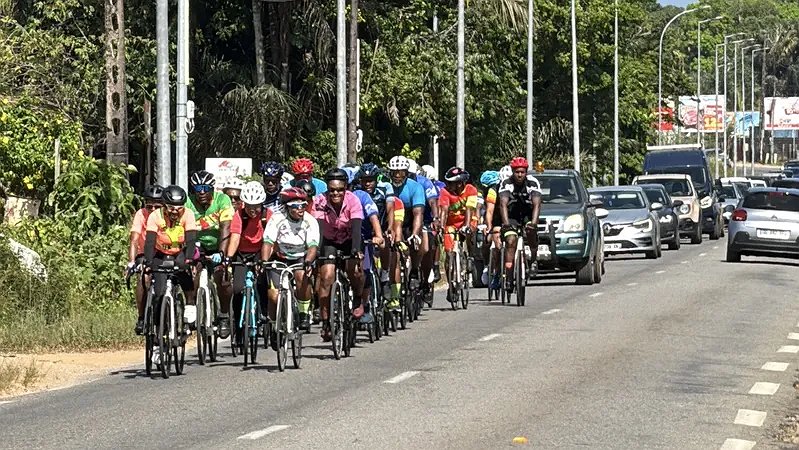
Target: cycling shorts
{"x":451,"y":235}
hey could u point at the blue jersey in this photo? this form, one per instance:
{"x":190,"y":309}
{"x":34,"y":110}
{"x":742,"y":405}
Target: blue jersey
{"x":383,"y":192}
{"x":439,"y":185}
{"x":412,"y":195}
{"x":430,"y":193}
{"x":319,"y":185}
{"x":369,"y":210}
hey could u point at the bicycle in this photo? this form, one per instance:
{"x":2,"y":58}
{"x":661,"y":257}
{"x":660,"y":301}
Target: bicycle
{"x":245,"y":334}
{"x":492,"y":273}
{"x":519,"y":281}
{"x":207,"y":310}
{"x":400,"y":315}
{"x":375,"y":302}
{"x":285,"y":326}
{"x":340,"y":322}
{"x":459,"y":274}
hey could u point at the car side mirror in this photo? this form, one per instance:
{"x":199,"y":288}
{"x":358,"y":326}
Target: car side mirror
{"x":676,"y":203}
{"x":601,"y":213}
{"x":596,"y":203}
{"x":656,"y":206}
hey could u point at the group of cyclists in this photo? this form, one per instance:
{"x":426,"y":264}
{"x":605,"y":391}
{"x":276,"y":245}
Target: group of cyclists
{"x":369,"y":214}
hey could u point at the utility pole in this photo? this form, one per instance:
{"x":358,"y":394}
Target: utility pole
{"x":716,"y":91}
{"x":700,"y":118}
{"x":616,"y":94}
{"x":116,"y":101}
{"x":182,"y":135}
{"x":352,"y":91}
{"x":575,"y":92}
{"x":530,"y":49}
{"x":163,"y":130}
{"x":341,"y":82}
{"x":460,"y":147}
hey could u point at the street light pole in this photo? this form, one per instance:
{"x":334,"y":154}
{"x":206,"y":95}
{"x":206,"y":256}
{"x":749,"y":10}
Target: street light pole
{"x":575,"y":105}
{"x":752,"y":105}
{"x":716,"y":130}
{"x":616,"y":94}
{"x":660,"y":64}
{"x":735,"y":106}
{"x":163,"y":130}
{"x":763,"y":100}
{"x":699,"y":76}
{"x":724,"y":111}
{"x":530,"y":49}
{"x":743,"y":103}
{"x":341,"y":82}
{"x":460,"y":133}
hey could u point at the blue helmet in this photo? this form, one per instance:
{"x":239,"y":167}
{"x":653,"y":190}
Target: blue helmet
{"x":351,"y":172}
{"x":368,"y":170}
{"x":272,"y":169}
{"x":489,"y":178}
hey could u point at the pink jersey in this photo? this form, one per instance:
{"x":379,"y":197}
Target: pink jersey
{"x":337,"y":226}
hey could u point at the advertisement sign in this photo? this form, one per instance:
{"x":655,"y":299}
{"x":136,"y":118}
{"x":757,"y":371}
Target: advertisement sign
{"x":709,"y":116}
{"x":666,"y":119}
{"x":782,"y":113}
{"x":786,"y":134}
{"x":226,"y":168}
{"x":744,"y":120}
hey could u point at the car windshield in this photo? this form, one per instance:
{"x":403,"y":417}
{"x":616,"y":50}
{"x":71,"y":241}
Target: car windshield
{"x":675,"y":187}
{"x":656,"y":196}
{"x":621,"y":199}
{"x":728,"y":191}
{"x":558,"y":190}
{"x":743,"y":186}
{"x":697,"y":173}
{"x":779,"y":201}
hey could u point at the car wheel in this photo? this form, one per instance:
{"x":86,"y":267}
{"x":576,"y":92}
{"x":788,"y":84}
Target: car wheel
{"x":585,"y":274}
{"x":696,"y":237}
{"x":598,"y":266}
{"x":733,"y":256}
{"x":716,"y":233}
{"x":659,"y":248}
{"x":675,"y":243}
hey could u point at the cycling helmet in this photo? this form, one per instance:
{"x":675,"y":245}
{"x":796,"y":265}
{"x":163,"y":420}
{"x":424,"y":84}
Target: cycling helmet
{"x":293,"y":194}
{"x":234,"y":183}
{"x":272,"y":169}
{"x":504,"y":173}
{"x":351,"y":173}
{"x":430,"y":172}
{"x":518,"y":162}
{"x":368,"y":170}
{"x":399,"y":163}
{"x":153,"y":192}
{"x":174,"y":196}
{"x":308,"y":187}
{"x":489,"y":178}
{"x":302,"y":166}
{"x":456,"y":174}
{"x":253,"y":193}
{"x":337,"y":174}
{"x":286,"y":178}
{"x":412,"y":166}
{"x":202,"y":177}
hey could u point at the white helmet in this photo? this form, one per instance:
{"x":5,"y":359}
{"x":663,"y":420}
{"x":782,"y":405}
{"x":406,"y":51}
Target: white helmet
{"x":286,"y":178}
{"x":253,"y":193}
{"x":398,"y":162}
{"x":234,"y":183}
{"x":412,"y":166}
{"x":430,"y":172}
{"x":504,"y":173}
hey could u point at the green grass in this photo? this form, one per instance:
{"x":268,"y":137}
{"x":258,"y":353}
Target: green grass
{"x":13,"y":375}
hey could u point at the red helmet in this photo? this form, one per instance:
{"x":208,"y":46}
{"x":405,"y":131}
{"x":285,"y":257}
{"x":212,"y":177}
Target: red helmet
{"x":293,"y":194}
{"x":302,"y":166}
{"x":519,"y":161}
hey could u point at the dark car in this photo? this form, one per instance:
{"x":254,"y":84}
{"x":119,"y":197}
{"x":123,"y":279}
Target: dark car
{"x":569,"y":231}
{"x":791,"y":183}
{"x":668,"y":217}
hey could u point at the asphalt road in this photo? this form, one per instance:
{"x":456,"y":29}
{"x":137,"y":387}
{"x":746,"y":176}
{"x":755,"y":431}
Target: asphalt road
{"x":662,"y":354}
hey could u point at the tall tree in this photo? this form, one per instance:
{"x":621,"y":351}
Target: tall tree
{"x":258,"y":31}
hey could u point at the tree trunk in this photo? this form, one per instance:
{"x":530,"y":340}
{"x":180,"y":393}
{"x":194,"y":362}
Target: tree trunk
{"x":258,"y":29}
{"x":116,"y":109}
{"x":352,"y":100}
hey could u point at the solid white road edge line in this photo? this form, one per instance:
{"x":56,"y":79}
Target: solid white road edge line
{"x":738,"y":444}
{"x":489,"y":337}
{"x":764,"y":388}
{"x":550,"y":311}
{"x":261,"y":433}
{"x":775,"y":366}
{"x":402,"y":377}
{"x":750,"y":418}
{"x":788,"y":349}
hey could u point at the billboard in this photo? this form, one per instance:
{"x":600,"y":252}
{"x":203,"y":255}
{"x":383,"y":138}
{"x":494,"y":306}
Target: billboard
{"x":666,"y":119}
{"x":709,"y":116}
{"x":226,"y":168}
{"x":745,"y":120}
{"x":782,"y":113}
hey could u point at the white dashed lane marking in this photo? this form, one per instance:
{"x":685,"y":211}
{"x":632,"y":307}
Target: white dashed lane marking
{"x":632,"y":284}
{"x":750,"y":418}
{"x":703,"y":254}
{"x":788,"y":349}
{"x":738,"y":444}
{"x":595,"y":294}
{"x":490,"y":337}
{"x":793,"y":336}
{"x":401,"y":377}
{"x":550,"y":311}
{"x":715,"y":247}
{"x":660,"y":271}
{"x":775,"y":366}
{"x":261,"y":433}
{"x":763,"y":388}
{"x":683,"y":262}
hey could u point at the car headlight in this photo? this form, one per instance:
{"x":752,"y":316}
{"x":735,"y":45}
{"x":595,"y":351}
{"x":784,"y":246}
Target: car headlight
{"x":573,"y":223}
{"x":685,"y":208}
{"x":643,"y":225}
{"x":706,"y":202}
{"x":665,"y":219}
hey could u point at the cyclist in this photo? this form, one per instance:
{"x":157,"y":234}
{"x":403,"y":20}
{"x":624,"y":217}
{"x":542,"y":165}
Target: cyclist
{"x":340,"y":217}
{"x":138,"y":232}
{"x":272,"y":172}
{"x":431,"y":226}
{"x":310,"y":191}
{"x":458,"y":201}
{"x":412,"y":196}
{"x":171,"y":234}
{"x":213,"y":213}
{"x":290,"y":237}
{"x":519,"y":204}
{"x":490,"y":183}
{"x":302,"y":169}
{"x":431,"y":174}
{"x":246,"y":238}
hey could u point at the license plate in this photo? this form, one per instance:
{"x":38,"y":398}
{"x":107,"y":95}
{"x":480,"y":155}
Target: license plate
{"x":612,"y":247}
{"x":773,"y":234}
{"x":543,"y":252}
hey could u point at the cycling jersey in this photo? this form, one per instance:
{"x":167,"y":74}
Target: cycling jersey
{"x":337,"y":228}
{"x":383,"y":193}
{"x":430,"y":193}
{"x":208,"y":220}
{"x":319,"y":185}
{"x":170,"y":237}
{"x":520,"y":206}
{"x":139,"y":225}
{"x":412,"y":195}
{"x":457,"y":205}
{"x":273,"y":202}
{"x":251,"y":230}
{"x":369,"y":210}
{"x":292,"y":238}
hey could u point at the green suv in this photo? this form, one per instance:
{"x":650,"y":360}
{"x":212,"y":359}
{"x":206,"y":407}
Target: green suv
{"x":569,"y":231}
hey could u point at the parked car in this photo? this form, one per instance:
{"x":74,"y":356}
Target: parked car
{"x":569,"y":231}
{"x":680,"y":187}
{"x":632,"y":226}
{"x":790,"y":183}
{"x":689,"y":160}
{"x":765,"y":224}
{"x":730,"y":195}
{"x":667,"y":216}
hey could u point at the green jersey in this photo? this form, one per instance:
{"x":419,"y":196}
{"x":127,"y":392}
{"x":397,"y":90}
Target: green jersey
{"x":208,"y":220}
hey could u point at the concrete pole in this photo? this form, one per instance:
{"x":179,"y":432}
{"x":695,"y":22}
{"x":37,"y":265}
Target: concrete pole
{"x":530,"y":49}
{"x":460,"y":132}
{"x":616,"y":94}
{"x":575,"y":92}
{"x":716,"y":131}
{"x":341,"y":82}
{"x":163,"y":140}
{"x":182,"y":136}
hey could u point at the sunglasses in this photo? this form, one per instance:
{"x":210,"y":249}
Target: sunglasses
{"x":338,"y":190}
{"x":397,"y":172}
{"x":300,"y":205}
{"x":234,"y":198}
{"x":152,"y":206}
{"x":271,"y":180}
{"x":202,"y":188}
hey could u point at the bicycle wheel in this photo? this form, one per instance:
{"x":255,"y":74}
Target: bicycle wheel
{"x":281,"y":328}
{"x":212,"y":335}
{"x":234,"y":328}
{"x":179,"y":344}
{"x":164,"y":347}
{"x":201,"y":329}
{"x":336,"y":320}
{"x":465,"y":290}
{"x":149,"y":334}
{"x":521,"y":278}
{"x":296,"y":342}
{"x":255,"y":325}
{"x":148,"y":354}
{"x":245,"y":327}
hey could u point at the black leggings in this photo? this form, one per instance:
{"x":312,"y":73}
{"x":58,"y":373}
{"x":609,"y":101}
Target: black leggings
{"x":239,"y":282}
